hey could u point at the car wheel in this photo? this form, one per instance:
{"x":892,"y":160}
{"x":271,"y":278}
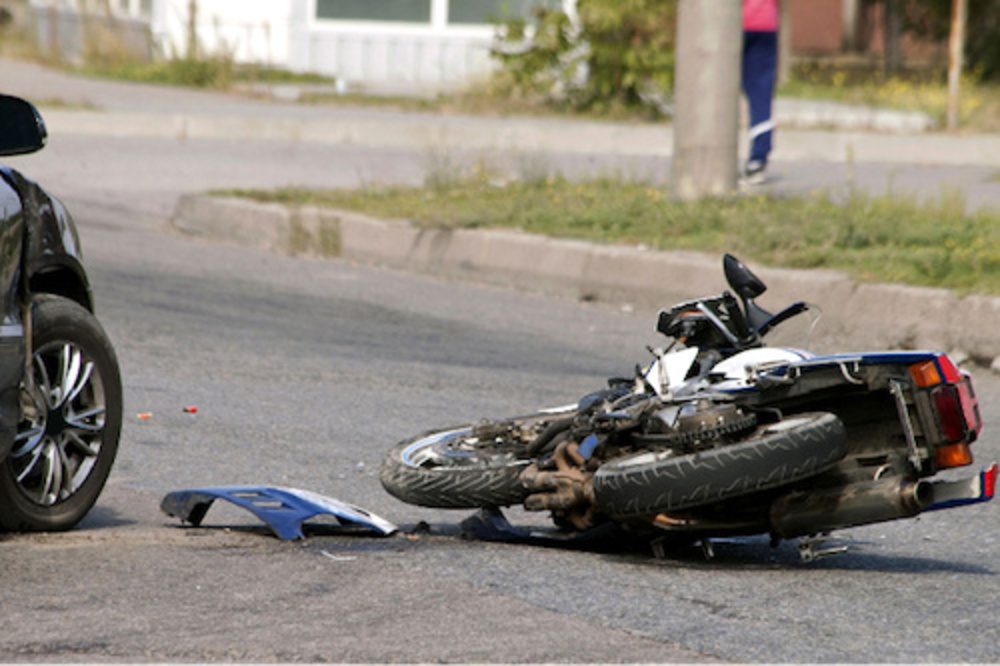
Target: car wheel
{"x":70,"y":422}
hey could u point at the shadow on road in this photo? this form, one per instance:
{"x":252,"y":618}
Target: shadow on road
{"x":105,"y":517}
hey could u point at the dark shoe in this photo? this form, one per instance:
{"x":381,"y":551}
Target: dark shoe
{"x":755,"y":172}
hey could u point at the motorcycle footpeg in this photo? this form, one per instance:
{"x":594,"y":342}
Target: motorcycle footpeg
{"x":809,"y":550}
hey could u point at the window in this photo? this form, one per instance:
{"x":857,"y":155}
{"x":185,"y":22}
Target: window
{"x":490,"y":11}
{"x":407,"y":11}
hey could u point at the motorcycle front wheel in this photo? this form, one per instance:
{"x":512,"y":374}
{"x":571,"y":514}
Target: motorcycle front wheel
{"x":653,"y":482}
{"x":453,"y":469}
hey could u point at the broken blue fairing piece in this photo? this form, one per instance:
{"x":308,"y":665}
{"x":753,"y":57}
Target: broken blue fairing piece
{"x":283,"y":509}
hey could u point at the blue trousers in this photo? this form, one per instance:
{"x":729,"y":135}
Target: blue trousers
{"x":760,"y":67}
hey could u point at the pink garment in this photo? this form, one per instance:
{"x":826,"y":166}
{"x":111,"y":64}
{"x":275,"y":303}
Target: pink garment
{"x":760,"y":15}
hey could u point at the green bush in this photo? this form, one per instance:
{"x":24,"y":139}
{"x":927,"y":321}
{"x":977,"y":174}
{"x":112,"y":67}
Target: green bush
{"x":618,"y":55}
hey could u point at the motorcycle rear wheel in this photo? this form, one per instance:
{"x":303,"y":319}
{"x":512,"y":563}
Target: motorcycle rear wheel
{"x":450,"y":469}
{"x":649,"y":483}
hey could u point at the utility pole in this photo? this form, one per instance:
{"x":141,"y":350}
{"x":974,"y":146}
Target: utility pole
{"x":956,"y":48}
{"x":707,"y":97}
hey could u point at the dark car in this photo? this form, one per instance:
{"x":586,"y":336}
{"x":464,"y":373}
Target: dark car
{"x":60,"y":389}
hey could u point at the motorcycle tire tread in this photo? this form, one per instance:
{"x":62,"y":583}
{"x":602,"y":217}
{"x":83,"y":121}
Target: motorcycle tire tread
{"x":459,"y":487}
{"x":768,"y":458}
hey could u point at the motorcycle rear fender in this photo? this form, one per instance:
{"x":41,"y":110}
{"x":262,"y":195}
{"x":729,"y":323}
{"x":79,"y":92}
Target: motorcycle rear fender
{"x":970,"y":490}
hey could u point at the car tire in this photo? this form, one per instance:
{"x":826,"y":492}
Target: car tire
{"x":67,"y":437}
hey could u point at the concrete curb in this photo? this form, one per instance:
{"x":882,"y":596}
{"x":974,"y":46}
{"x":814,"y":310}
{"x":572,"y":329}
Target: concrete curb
{"x":872,"y":316}
{"x":788,"y":111}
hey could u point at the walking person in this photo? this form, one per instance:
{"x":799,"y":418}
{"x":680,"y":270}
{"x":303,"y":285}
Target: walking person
{"x":759,"y":71}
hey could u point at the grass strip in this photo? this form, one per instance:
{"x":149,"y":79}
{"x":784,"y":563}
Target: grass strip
{"x":218,"y":72}
{"x":885,"y":238}
{"x":917,"y":90}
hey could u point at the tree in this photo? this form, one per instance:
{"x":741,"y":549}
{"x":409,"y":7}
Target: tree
{"x":956,"y":48}
{"x":893,"y":32}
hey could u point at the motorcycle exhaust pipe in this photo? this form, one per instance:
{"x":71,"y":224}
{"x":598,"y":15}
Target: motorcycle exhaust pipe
{"x":802,"y":514}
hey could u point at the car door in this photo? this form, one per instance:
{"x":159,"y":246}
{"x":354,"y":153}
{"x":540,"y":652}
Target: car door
{"x":11,"y":327}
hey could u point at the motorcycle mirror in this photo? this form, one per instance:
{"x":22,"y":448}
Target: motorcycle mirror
{"x":741,"y":278}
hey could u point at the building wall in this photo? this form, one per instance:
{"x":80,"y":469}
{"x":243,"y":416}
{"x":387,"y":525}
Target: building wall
{"x":830,"y":27}
{"x":817,"y":26}
{"x":66,"y":30}
{"x":405,"y":63}
{"x":406,"y":45}
{"x":398,"y":56}
{"x":403,"y":45}
{"x":248,"y":30}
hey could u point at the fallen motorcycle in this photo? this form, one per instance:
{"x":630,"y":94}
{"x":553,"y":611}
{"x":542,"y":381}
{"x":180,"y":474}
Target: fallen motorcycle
{"x":720,"y":435}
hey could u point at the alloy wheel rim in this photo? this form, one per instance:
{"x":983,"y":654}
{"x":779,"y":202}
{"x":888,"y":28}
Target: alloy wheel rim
{"x":62,"y":424}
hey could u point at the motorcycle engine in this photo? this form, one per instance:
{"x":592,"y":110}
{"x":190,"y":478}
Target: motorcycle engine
{"x":697,"y":425}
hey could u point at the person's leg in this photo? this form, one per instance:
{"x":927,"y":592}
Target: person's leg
{"x":760,"y":60}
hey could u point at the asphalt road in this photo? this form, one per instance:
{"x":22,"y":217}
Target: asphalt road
{"x":304,"y":373}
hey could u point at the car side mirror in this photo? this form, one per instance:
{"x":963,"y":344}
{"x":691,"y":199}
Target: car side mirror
{"x":22,"y":129}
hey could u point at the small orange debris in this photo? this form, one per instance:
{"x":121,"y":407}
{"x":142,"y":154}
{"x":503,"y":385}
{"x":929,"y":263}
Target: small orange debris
{"x":144,"y":416}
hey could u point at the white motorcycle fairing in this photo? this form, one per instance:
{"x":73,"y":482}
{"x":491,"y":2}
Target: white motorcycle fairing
{"x":737,"y":372}
{"x":670,"y":370}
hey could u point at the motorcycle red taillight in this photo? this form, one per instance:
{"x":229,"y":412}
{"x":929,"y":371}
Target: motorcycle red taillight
{"x":957,"y":409}
{"x":948,"y":404}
